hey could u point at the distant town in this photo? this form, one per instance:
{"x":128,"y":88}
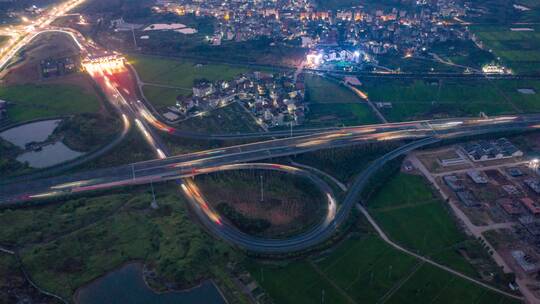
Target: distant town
{"x":270,"y":151}
{"x":345,"y":39}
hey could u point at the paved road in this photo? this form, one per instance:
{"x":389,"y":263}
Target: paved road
{"x":119,"y":89}
{"x":296,"y":243}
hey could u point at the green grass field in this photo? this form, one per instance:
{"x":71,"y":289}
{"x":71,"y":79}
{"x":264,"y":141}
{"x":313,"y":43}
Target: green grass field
{"x":533,"y":15}
{"x":412,"y":215}
{"x":41,"y":101}
{"x":525,"y":102}
{"x":163,"y":97}
{"x":331,"y":104}
{"x":180,"y":73}
{"x":464,"y":53}
{"x":339,"y":114}
{"x":420,"y":99}
{"x":517,"y":49}
{"x":322,"y":90}
{"x":366,"y":270}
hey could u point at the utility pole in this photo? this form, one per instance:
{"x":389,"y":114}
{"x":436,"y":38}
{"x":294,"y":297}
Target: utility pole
{"x":322,"y":296}
{"x":154,"y":204}
{"x":290,"y":123}
{"x":262,"y":189}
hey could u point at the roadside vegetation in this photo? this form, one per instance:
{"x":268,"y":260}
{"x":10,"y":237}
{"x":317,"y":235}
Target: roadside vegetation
{"x":64,"y":246}
{"x":13,"y":284}
{"x":132,"y":149}
{"x":88,"y":131}
{"x":290,"y":204}
{"x":346,"y":162}
{"x":8,"y":162}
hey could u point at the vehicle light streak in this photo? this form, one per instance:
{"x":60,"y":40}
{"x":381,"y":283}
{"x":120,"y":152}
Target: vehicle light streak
{"x":45,"y":194}
{"x":160,"y":154}
{"x":332,"y":207}
{"x":71,"y":185}
{"x":156,"y":123}
{"x":447,"y":125}
{"x":143,"y":129}
{"x":191,"y":190}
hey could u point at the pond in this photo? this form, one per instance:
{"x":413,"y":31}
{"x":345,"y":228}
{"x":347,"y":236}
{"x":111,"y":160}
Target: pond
{"x":32,"y":132}
{"x":49,"y":155}
{"x":126,"y":285}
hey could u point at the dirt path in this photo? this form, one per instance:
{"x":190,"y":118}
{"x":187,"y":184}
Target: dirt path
{"x":322,"y":274}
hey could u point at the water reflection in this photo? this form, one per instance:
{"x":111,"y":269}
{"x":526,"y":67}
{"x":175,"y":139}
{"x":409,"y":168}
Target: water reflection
{"x":33,"y":132}
{"x":49,"y":155}
{"x":126,"y":285}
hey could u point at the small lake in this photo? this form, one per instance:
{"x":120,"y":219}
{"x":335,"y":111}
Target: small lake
{"x":49,"y":155}
{"x":126,"y":285}
{"x":32,"y":132}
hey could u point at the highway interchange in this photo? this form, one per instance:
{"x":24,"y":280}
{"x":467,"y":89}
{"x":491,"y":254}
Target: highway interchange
{"x":121,"y":89}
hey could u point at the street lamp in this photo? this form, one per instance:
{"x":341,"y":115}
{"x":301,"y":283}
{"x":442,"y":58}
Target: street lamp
{"x":534,"y":163}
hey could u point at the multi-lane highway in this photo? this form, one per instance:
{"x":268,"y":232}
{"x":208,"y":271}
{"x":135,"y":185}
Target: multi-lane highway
{"x":219,"y":159}
{"x":120,"y":88}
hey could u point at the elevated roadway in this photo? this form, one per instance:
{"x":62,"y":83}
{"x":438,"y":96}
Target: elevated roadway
{"x":121,"y":90}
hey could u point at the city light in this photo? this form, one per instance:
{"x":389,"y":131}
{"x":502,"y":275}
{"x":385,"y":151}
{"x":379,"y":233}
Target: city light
{"x":314,"y":60}
{"x":534,"y":163}
{"x":109,"y":63}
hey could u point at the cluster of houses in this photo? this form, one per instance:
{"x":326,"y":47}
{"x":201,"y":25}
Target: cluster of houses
{"x":274,"y":99}
{"x":56,"y":67}
{"x":491,"y":150}
{"x":516,"y":203}
{"x":376,"y":31}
